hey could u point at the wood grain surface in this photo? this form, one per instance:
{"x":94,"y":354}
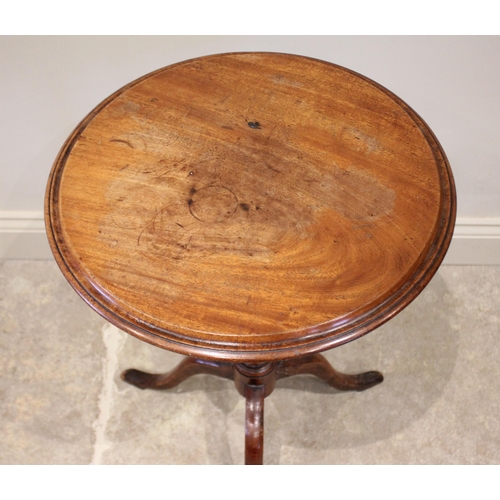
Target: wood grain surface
{"x":250,"y":206}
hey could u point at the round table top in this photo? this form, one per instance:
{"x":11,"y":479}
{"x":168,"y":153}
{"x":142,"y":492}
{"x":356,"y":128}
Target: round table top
{"x":250,"y":206}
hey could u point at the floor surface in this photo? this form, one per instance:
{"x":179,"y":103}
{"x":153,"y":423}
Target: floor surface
{"x":63,"y":402}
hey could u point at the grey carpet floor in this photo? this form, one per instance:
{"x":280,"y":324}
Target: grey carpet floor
{"x":63,"y":402}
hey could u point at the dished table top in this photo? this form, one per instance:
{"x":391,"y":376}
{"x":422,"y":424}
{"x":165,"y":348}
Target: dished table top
{"x":250,"y":206}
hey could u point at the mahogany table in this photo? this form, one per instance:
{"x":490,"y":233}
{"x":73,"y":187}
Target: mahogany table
{"x":250,"y":210}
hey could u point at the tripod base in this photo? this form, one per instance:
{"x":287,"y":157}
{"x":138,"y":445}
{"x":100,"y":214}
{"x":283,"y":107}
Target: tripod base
{"x":255,"y":382}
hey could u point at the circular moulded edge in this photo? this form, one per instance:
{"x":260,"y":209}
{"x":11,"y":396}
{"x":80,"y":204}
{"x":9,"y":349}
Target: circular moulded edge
{"x":313,"y":339}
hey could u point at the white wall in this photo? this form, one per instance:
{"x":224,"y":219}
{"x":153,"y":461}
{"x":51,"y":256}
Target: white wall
{"x":47,"y":84}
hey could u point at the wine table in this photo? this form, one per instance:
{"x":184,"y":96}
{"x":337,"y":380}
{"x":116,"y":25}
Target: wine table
{"x":250,"y":210}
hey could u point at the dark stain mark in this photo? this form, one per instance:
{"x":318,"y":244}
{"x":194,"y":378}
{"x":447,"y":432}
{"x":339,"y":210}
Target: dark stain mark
{"x":227,"y":127}
{"x":180,"y":225}
{"x":192,"y":191}
{"x":190,"y":201}
{"x":257,"y":208}
{"x":273,"y":169}
{"x":245,"y":206}
{"x":123,"y":142}
{"x":254,"y":125}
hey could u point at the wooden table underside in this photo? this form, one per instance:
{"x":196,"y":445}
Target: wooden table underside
{"x":250,"y":209}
